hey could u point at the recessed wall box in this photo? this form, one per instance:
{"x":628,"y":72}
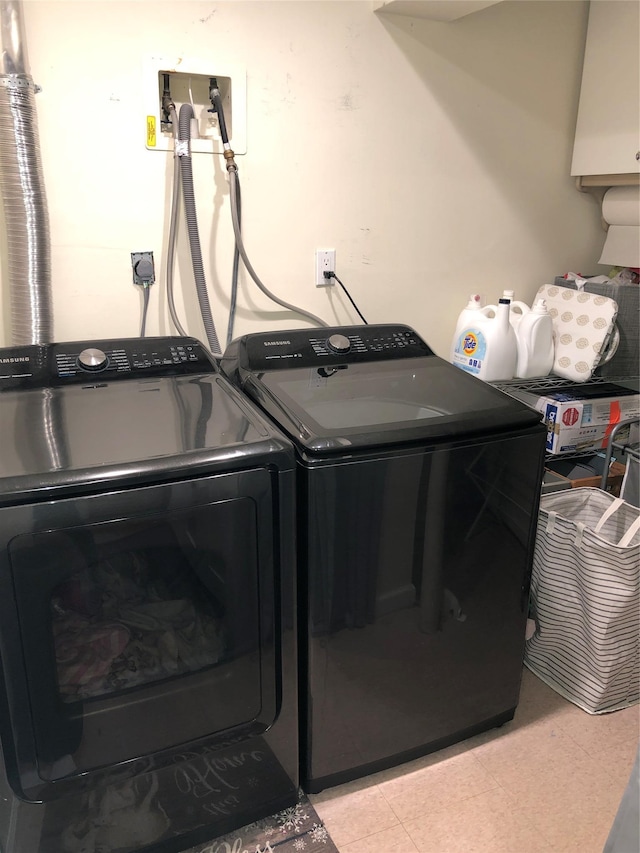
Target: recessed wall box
{"x":189,"y":81}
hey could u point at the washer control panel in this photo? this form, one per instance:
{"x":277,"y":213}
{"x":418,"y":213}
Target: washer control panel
{"x":92,"y":362}
{"x":338,"y":345}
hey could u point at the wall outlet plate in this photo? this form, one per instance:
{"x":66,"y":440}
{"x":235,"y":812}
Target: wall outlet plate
{"x":143,"y":268}
{"x":325,"y":262}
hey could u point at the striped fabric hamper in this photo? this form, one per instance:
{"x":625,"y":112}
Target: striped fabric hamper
{"x":585,"y":599}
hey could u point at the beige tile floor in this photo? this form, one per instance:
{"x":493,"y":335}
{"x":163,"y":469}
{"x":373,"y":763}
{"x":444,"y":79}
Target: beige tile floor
{"x":551,"y":780}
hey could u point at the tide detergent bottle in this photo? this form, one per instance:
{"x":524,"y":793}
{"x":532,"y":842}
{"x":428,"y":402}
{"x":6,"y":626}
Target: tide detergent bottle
{"x":470,"y":317}
{"x":487,"y":346}
{"x":536,"y":348}
{"x":517,"y":309}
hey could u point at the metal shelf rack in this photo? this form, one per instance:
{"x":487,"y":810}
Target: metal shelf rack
{"x":619,"y":436}
{"x":625,"y":447}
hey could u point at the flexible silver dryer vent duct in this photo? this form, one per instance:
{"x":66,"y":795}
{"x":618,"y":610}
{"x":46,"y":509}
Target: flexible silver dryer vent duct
{"x":24,"y":200}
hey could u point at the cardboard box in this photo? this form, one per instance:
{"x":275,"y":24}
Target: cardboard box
{"x":586,"y":473}
{"x":581,"y":418}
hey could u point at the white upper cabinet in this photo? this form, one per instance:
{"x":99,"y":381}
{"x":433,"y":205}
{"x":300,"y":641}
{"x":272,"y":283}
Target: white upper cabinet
{"x":608,"y":128}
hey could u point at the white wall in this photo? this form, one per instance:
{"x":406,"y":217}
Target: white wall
{"x":433,"y":157}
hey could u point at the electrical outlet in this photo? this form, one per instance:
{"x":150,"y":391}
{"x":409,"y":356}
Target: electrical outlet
{"x":325,"y":262}
{"x":143,"y":268}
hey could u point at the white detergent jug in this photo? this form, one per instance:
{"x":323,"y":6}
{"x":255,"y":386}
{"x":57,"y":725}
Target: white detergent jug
{"x":517,"y":310}
{"x":488,"y":348}
{"x":469,"y":317}
{"x":535,"y":342}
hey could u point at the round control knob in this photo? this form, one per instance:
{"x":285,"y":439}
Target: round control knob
{"x":92,"y":359}
{"x":339,"y":343}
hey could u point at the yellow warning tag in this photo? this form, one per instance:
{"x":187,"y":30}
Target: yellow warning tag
{"x":151,"y":131}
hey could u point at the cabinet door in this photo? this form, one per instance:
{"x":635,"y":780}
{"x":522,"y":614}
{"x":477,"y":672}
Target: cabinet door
{"x":608,"y":123}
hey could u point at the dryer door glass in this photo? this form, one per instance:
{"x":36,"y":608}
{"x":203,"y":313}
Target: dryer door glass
{"x":145,"y":632}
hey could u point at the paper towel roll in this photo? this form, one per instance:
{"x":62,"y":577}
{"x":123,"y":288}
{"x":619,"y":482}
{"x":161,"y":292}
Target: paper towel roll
{"x":621,"y":209}
{"x":621,"y":206}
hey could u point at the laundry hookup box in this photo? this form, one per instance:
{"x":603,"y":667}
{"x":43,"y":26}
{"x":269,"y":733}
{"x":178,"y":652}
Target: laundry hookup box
{"x":581,"y":418}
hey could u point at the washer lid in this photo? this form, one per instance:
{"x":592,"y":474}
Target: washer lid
{"x":386,"y":402}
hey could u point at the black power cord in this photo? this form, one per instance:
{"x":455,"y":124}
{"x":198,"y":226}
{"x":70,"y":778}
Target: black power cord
{"x":328,"y":274}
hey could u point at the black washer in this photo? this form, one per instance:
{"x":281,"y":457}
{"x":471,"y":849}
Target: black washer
{"x":418,"y":488}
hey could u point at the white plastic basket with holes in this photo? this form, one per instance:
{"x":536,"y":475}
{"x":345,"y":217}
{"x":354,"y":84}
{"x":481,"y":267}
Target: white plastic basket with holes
{"x":585,"y":599}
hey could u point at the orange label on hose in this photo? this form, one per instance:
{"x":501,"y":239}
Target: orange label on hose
{"x":151,"y":131}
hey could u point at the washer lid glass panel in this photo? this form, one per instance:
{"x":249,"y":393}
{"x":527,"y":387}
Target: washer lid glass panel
{"x":366,"y":404}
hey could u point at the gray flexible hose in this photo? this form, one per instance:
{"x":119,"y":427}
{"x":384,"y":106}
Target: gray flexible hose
{"x":233,"y":300}
{"x":173,"y":228}
{"x":233,"y":178}
{"x":186,"y":173}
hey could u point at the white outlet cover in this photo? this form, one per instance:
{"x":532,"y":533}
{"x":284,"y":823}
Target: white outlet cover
{"x":325,"y":260}
{"x":158,"y":139}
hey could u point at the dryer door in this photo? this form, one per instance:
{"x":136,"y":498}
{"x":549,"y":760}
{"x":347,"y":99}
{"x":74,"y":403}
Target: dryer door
{"x":136,"y":622}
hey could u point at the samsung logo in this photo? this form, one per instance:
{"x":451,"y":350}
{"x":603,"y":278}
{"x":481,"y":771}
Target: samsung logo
{"x":276,"y":343}
{"x":14,"y":360}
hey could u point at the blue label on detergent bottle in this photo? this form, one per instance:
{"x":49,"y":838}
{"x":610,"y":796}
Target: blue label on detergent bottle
{"x":470,"y":351}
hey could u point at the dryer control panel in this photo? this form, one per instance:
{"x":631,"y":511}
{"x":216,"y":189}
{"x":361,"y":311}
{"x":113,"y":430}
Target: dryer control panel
{"x":331,"y":346}
{"x":53,"y":365}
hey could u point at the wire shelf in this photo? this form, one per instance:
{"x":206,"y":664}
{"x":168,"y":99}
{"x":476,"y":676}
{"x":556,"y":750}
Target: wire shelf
{"x":543,"y":384}
{"x":548,"y":383}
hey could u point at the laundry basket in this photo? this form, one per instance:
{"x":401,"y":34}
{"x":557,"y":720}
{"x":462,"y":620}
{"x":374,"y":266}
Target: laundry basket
{"x":585,"y":599}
